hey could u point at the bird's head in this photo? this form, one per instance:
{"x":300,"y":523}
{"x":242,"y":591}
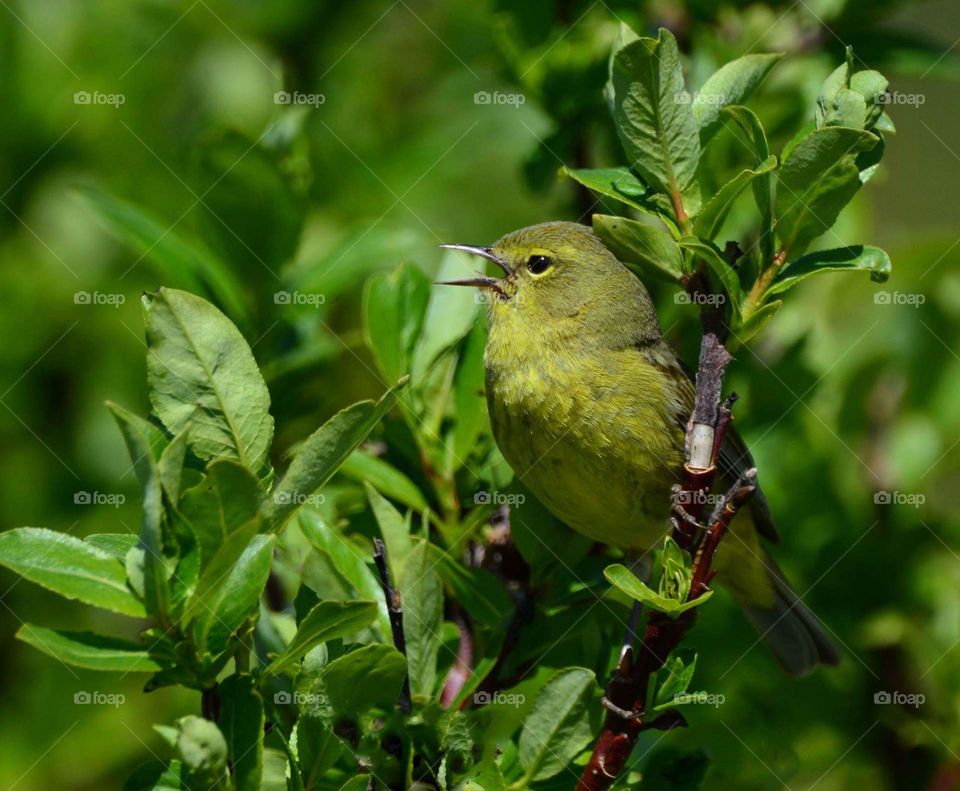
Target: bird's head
{"x":558,"y":276}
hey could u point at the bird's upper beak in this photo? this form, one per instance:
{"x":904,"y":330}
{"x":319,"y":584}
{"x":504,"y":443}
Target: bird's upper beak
{"x":491,"y":283}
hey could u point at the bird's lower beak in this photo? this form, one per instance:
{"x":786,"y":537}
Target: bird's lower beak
{"x":490,"y":283}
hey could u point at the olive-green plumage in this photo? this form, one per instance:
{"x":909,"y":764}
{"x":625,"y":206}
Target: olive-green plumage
{"x":589,"y":404}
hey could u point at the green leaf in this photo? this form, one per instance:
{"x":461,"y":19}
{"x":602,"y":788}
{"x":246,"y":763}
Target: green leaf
{"x":234,"y":598}
{"x":855,"y":258}
{"x":394,"y":528}
{"x":203,"y":597}
{"x":422,"y":599}
{"x":679,"y":675}
{"x":558,"y":727}
{"x":732,"y":83}
{"x":726,"y":275}
{"x":227,"y":499}
{"x":362,"y":467}
{"x":157,"y":776}
{"x":649,"y":251}
{"x":352,"y":563}
{"x":181,"y":262}
{"x":251,"y":213}
{"x":479,"y":591}
{"x":712,"y":215}
{"x":70,"y":567}
{"x":485,"y":776}
{"x":622,"y":185}
{"x":754,"y":323}
{"x":204,"y":753}
{"x":202,"y":375}
{"x":327,"y":621}
{"x":394,"y":306}
{"x":116,"y":544}
{"x":85,"y":649}
{"x":817,"y":178}
{"x":319,"y":748}
{"x":148,"y":568}
{"x":241,"y":720}
{"x":170,"y":466}
{"x":653,"y":113}
{"x":370,"y":677}
{"x":322,"y":453}
{"x":145,"y":442}
{"x":626,"y":581}
{"x":763,"y":185}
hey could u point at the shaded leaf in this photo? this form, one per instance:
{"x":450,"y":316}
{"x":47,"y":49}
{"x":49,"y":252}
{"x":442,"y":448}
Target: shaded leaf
{"x":422,"y":598}
{"x":241,"y":720}
{"x":394,"y":307}
{"x":732,"y":83}
{"x":855,"y":258}
{"x":712,"y":215}
{"x":327,"y":621}
{"x":558,"y":727}
{"x":364,"y":468}
{"x":85,"y":649}
{"x":649,"y":251}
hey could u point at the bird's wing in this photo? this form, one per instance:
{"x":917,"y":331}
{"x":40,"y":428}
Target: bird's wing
{"x":734,"y":456}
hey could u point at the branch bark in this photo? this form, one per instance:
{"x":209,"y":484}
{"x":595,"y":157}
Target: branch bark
{"x":626,"y":694}
{"x":395,"y":611}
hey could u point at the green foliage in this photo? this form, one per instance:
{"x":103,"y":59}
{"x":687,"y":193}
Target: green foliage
{"x":666,"y":135}
{"x":247,"y":588}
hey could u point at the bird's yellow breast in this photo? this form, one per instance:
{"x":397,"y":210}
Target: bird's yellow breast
{"x":590,"y":432}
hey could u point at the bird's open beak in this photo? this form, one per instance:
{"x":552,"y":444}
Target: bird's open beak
{"x":490,"y":283}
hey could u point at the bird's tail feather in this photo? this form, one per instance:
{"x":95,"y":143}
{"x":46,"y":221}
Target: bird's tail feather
{"x":791,"y":631}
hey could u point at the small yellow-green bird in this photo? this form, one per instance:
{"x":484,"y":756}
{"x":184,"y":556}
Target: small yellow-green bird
{"x":589,"y":405}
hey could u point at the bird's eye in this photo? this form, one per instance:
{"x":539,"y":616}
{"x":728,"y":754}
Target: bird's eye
{"x":538,"y":264}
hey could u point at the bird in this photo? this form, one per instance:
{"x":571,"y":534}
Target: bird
{"x":589,"y":404}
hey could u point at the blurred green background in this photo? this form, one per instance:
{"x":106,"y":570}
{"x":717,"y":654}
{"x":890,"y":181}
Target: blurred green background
{"x":387,"y":149}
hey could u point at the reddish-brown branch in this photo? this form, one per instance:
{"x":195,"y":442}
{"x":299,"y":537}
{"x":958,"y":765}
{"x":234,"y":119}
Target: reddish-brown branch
{"x":627,"y":691}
